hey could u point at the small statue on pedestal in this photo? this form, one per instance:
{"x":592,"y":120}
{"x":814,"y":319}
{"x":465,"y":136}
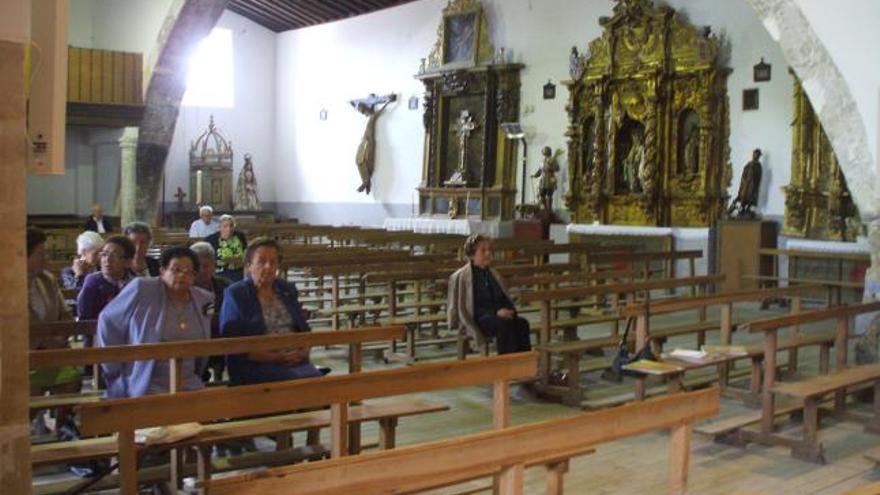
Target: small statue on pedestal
{"x":547,"y":174}
{"x":246,"y":198}
{"x":749,"y":187}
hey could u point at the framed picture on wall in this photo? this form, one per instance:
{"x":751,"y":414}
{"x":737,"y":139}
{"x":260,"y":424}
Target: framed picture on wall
{"x":461,"y":38}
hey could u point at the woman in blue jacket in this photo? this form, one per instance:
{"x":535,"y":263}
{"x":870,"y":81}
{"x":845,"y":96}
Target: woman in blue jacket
{"x":263,"y":304}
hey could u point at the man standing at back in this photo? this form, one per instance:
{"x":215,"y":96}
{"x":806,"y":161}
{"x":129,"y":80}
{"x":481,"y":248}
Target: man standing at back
{"x":205,"y":225}
{"x":98,"y":222}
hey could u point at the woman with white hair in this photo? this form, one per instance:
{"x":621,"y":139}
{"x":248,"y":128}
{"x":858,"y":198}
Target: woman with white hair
{"x":88,"y":248}
{"x":229,"y":245}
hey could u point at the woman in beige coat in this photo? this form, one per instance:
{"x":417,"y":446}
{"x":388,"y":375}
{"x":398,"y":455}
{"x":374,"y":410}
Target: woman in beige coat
{"x":478,"y":304}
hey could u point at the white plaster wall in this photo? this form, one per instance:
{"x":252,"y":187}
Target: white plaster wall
{"x":133,"y":25}
{"x":325,"y":66}
{"x":849,"y":31}
{"x":250,"y":124}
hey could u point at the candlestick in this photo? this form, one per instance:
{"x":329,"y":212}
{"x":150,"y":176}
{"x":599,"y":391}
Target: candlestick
{"x":199,"y":188}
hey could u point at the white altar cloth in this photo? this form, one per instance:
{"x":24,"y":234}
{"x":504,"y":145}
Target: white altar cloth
{"x":490,"y":228}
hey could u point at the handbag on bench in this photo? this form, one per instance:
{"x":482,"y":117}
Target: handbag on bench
{"x":624,"y":357}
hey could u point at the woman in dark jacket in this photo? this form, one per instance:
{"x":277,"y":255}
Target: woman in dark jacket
{"x":263,"y":304}
{"x":229,"y":244}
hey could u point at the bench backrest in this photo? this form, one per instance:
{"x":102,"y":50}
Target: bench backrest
{"x":270,"y":398}
{"x":770,"y":324}
{"x":645,"y":256}
{"x":698,"y":302}
{"x":623,"y":288}
{"x":195,"y":348}
{"x":502,"y":452}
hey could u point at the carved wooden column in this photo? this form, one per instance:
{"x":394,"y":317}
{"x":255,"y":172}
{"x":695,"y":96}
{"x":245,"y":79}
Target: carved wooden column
{"x":15,"y":464}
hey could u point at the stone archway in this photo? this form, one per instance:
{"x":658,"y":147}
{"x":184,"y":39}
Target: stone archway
{"x":831,"y":97}
{"x":186,"y":25}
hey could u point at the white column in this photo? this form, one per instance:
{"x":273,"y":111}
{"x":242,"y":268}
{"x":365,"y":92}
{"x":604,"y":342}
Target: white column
{"x":127,"y":174}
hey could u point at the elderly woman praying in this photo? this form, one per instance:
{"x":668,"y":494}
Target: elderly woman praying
{"x":88,"y":247}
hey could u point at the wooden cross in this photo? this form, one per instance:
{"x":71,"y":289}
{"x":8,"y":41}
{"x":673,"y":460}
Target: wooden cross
{"x":180,"y":196}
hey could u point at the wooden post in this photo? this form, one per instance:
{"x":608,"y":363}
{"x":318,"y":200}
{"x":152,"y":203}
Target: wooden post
{"x":334,"y":302}
{"x":128,"y":482}
{"x":726,"y":335}
{"x":767,"y":399}
{"x":338,"y":430}
{"x":15,"y":445}
{"x":175,"y":384}
{"x":679,"y":458}
{"x":793,"y":352}
{"x":387,"y":433}
{"x":545,"y":333}
{"x":555,"y":484}
{"x":641,"y":341}
{"x":501,"y":404}
{"x":510,"y":481}
{"x":841,"y":353}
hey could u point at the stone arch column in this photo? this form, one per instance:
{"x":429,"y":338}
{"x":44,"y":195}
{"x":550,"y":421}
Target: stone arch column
{"x":187,"y":23}
{"x":837,"y":110}
{"x":831,"y":98}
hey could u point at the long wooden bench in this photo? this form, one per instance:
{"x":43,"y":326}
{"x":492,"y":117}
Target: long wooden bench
{"x":807,"y":448}
{"x":124,"y":416}
{"x":545,"y":299}
{"x":504,"y":454}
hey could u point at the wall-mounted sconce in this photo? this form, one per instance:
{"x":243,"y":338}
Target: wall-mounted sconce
{"x":762,"y":71}
{"x":549,"y":90}
{"x":322,"y":114}
{"x":750,"y":99}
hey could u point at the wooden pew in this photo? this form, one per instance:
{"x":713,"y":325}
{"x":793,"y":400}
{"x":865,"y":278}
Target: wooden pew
{"x":642,"y":312}
{"x":124,"y":416}
{"x":546,"y":297}
{"x":796,"y":257}
{"x":669,"y":258}
{"x":505,"y":453}
{"x":810,"y":390}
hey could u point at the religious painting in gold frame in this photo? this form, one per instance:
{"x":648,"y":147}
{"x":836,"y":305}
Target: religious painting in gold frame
{"x":462,"y":38}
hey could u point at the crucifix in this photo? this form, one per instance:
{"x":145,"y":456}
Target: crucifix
{"x":371,"y":106}
{"x":466,"y":125}
{"x":180,"y":196}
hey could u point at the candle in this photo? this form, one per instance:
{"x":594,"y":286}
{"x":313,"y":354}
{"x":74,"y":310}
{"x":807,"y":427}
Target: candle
{"x":199,"y":188}
{"x":467,"y":204}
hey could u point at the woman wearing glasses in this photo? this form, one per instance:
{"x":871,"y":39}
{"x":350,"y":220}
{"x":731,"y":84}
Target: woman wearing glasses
{"x":101,"y":287}
{"x":168,"y":308}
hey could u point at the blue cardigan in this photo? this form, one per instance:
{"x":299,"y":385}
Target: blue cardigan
{"x":135,"y":316}
{"x":242,"y":316}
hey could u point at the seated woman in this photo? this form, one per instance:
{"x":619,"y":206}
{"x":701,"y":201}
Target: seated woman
{"x":478,"y":304}
{"x":168,"y":308}
{"x":208,"y":280}
{"x":229,"y":244}
{"x":263,"y":304}
{"x":141,"y":235}
{"x":88,"y":245}
{"x":100,"y":288}
{"x":45,"y":304}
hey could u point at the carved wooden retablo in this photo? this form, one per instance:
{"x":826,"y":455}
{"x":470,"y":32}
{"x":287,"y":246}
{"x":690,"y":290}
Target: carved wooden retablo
{"x":469,"y":167}
{"x":818,"y":204}
{"x":648,"y":123}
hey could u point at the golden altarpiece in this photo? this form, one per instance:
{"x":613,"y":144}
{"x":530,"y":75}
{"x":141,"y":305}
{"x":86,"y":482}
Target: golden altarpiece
{"x":648,"y":122}
{"x":469,"y":167}
{"x":210,"y":170}
{"x":818,"y":204}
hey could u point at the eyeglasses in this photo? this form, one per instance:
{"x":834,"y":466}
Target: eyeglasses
{"x":182,"y":271}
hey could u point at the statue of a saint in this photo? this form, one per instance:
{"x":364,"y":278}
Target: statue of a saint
{"x":466,"y":125}
{"x":246,"y":198}
{"x":371,"y":106}
{"x":691,"y":153}
{"x":547,"y":174}
{"x":749,"y":187}
{"x":632,"y":164}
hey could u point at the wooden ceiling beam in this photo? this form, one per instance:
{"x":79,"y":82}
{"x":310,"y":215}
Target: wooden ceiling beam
{"x":284,"y":15}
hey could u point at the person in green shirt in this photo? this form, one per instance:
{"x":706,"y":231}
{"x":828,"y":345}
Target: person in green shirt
{"x":229,"y":244}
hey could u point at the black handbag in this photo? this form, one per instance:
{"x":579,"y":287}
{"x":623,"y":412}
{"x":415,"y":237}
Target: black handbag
{"x":624,"y":357}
